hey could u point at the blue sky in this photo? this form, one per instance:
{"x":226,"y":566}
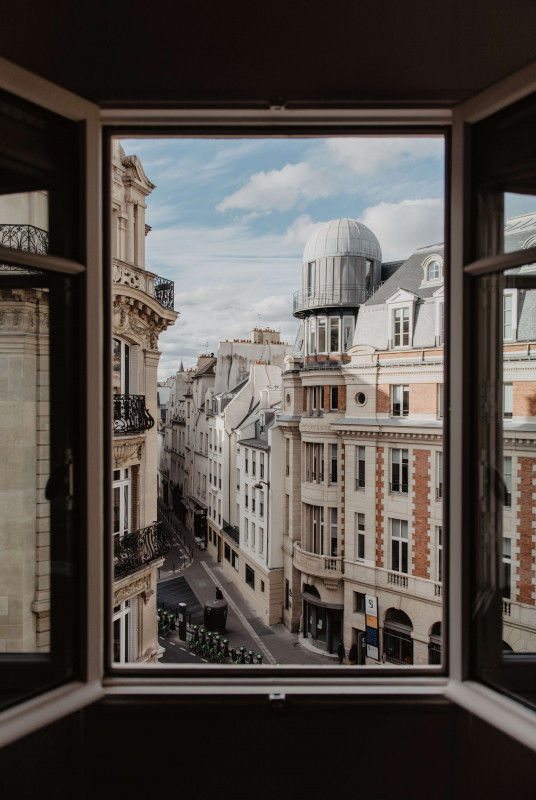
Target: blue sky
{"x":230,"y":218}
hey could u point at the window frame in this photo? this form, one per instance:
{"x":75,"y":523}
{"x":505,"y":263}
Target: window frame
{"x":487,"y":703}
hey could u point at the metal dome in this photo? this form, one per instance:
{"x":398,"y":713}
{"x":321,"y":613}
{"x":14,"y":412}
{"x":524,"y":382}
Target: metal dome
{"x":342,"y":237}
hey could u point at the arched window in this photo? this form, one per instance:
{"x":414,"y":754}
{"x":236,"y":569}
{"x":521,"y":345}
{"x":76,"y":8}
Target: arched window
{"x":397,"y":641}
{"x":434,"y":647}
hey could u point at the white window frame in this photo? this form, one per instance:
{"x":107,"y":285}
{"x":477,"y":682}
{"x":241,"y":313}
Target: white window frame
{"x":400,"y":300}
{"x":360,"y":538}
{"x":512,"y":294}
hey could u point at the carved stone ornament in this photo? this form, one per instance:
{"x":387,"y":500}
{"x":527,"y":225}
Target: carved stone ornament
{"x":131,"y":589}
{"x":127,"y":453}
{"x":129,"y":277}
{"x":23,"y":318}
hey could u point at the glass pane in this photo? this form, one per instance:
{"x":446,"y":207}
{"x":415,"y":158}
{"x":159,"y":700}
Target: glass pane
{"x":518,"y":466}
{"x":251,"y":391}
{"x":25,"y":518}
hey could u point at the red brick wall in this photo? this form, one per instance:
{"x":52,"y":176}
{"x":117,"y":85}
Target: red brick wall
{"x":525,"y":530}
{"x":423,"y":398}
{"x":525,"y":399}
{"x":342,"y":398}
{"x":421,"y":500}
{"x":326,"y":398}
{"x":304,"y":400}
{"x":383,"y":399}
{"x":342,"y":526}
{"x":380,"y":457}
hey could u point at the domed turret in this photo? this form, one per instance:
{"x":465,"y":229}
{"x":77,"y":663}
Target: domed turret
{"x":341,"y":266}
{"x":342,"y":262}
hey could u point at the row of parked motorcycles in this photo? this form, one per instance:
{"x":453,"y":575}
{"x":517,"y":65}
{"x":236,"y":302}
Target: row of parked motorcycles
{"x":215,"y":648}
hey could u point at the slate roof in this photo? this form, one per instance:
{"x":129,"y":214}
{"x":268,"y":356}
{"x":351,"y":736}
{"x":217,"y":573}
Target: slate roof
{"x":409,"y":277}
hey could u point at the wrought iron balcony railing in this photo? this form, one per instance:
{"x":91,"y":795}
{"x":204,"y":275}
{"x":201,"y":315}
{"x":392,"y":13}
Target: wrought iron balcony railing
{"x":164,"y":292}
{"x":24,"y":237}
{"x":131,"y":414}
{"x":136,"y":278}
{"x":135,"y":550}
{"x":343,"y":295}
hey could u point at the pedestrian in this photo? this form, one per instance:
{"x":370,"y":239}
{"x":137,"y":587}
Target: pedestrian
{"x":340,"y":652}
{"x":352,"y":654}
{"x":219,"y":593}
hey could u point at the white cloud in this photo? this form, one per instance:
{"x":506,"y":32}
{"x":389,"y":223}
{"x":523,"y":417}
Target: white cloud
{"x":403,"y":227}
{"x":280,"y":189}
{"x":299,"y":231}
{"x":367,"y":156}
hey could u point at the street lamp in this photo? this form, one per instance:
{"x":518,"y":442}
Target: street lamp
{"x":259,"y":484}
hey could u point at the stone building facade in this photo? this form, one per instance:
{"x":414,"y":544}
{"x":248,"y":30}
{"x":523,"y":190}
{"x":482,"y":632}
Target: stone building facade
{"x":142,"y":310}
{"x":363,"y":427}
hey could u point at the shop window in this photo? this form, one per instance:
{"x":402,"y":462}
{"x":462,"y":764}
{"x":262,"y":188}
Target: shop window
{"x":397,"y":641}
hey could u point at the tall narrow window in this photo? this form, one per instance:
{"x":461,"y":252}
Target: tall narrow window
{"x":347,"y":332}
{"x":508,"y":319}
{"x":311,"y":277}
{"x":439,"y":476}
{"x":439,"y":539}
{"x":333,"y":531}
{"x":334,"y":334}
{"x":333,"y":469}
{"x":312,"y":335}
{"x":399,"y":471}
{"x":360,"y":468}
{"x":508,"y":400}
{"x":368,"y":274}
{"x":399,"y":400}
{"x":317,"y":529}
{"x":399,"y":545}
{"x":322,"y":344}
{"x":334,"y":398}
{"x":121,"y":502}
{"x":507,"y":567}
{"x":401,"y":327}
{"x":440,"y":400}
{"x":507,"y":477}
{"x":360,"y":537}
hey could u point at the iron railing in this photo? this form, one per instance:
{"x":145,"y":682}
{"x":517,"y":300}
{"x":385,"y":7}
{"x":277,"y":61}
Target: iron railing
{"x":350,"y":294}
{"x":24,"y":237}
{"x":164,"y":291}
{"x":131,"y":414}
{"x":135,"y":550}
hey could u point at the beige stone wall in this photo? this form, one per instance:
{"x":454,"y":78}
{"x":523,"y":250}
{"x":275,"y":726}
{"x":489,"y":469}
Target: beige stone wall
{"x":25,"y":468}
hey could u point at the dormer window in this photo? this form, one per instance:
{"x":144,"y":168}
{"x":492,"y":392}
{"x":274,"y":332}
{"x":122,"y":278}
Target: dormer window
{"x":433,"y":269}
{"x":401,"y":327}
{"x":400,"y":319}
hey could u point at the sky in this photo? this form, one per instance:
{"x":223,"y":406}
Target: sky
{"x":230,"y":219}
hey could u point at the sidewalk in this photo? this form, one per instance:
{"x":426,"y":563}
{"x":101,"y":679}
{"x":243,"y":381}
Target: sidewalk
{"x":244,"y":626}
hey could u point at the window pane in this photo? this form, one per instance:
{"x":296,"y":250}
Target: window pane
{"x":311,"y":537}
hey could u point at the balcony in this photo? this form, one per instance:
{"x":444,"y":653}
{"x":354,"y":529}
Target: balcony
{"x":131,"y":414}
{"x":346,"y":295}
{"x":160,"y":288}
{"x":320,"y":566}
{"x":398,"y":582}
{"x":135,"y":550}
{"x":232,"y":531}
{"x":24,"y":237}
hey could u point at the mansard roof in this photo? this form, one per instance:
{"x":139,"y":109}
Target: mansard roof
{"x":410,"y":277}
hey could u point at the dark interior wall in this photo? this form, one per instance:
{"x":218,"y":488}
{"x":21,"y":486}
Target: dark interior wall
{"x":244,"y":747}
{"x":242,"y":51}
